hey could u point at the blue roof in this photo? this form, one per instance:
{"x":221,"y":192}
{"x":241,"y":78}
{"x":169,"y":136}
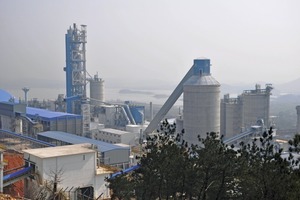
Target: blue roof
{"x":47,"y":114}
{"x":5,"y":96}
{"x":75,"y":139}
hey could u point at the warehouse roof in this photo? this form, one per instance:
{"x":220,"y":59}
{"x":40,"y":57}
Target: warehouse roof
{"x":75,"y":139}
{"x":5,"y":96}
{"x":47,"y":114}
{"x":114,"y":131}
{"x":50,"y":152}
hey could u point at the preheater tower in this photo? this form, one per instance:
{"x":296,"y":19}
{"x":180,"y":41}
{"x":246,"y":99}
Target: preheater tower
{"x":75,"y":68}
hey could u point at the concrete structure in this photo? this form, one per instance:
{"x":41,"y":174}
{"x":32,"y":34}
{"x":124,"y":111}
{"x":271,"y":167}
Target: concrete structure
{"x":26,"y":90}
{"x":110,"y":154}
{"x":27,"y":120}
{"x":75,"y":68}
{"x":10,"y":116}
{"x":231,"y":116}
{"x":96,"y":90}
{"x":298,"y":119}
{"x":55,"y":121}
{"x":74,"y":168}
{"x":118,"y":115}
{"x":115,"y":136}
{"x":202,"y":93}
{"x":239,"y":114}
{"x":201,"y":103}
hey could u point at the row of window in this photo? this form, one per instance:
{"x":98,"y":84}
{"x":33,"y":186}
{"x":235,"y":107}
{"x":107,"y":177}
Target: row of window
{"x":111,"y":134}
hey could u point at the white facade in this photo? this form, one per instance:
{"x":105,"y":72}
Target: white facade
{"x":107,"y":115}
{"x":75,"y":165}
{"x":6,"y":122}
{"x":97,"y":90}
{"x":201,"y":107}
{"x":115,"y":136}
{"x":239,"y":114}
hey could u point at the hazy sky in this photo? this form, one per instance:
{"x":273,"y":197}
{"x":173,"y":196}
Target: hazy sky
{"x":139,"y":42}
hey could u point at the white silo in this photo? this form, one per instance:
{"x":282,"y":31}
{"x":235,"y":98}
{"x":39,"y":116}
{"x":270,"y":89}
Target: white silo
{"x":96,"y":90}
{"x":201,"y":103}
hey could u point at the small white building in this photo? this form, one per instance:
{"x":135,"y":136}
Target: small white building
{"x":74,"y":165}
{"x":115,"y":136}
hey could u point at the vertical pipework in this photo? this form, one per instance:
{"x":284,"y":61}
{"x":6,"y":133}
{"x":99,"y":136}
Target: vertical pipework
{"x":151,"y":111}
{"x":25,"y":89}
{"x":1,"y":171}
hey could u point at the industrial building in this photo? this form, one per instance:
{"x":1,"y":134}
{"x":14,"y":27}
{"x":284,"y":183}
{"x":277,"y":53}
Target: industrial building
{"x":248,"y":109}
{"x":30,"y":121}
{"x":75,"y":68}
{"x":93,"y":108}
{"x":56,"y":121}
{"x":110,"y":154}
{"x":10,"y":116}
{"x":201,"y":103}
{"x":114,"y":136}
{"x":73,"y":168}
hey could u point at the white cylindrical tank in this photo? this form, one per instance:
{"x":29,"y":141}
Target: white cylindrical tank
{"x":97,"y":90}
{"x":201,"y":106}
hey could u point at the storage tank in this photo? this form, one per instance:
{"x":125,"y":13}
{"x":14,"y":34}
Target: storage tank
{"x":97,"y":90}
{"x":201,"y":103}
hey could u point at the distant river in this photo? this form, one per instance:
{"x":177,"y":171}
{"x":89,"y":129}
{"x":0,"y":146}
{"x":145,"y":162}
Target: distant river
{"x":111,"y":94}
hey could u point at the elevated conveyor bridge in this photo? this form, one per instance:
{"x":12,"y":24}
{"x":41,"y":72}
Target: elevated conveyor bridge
{"x":16,"y":176}
{"x":253,"y":132}
{"x":18,"y":141}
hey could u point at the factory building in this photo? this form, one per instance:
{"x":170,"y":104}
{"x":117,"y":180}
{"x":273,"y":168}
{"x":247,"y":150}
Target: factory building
{"x":56,"y":121}
{"x":10,"y":116}
{"x":248,"y":109}
{"x":114,"y":136}
{"x":110,"y":154}
{"x":73,"y":167}
{"x":231,"y":116}
{"x":18,"y":118}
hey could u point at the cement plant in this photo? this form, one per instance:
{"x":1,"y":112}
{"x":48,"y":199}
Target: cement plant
{"x":84,"y":138}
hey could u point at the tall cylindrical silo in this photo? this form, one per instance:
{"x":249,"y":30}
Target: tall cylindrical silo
{"x":201,"y":103}
{"x":97,"y":90}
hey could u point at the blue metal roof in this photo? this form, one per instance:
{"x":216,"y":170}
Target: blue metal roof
{"x":47,"y":114}
{"x":5,"y":96}
{"x":75,"y":139}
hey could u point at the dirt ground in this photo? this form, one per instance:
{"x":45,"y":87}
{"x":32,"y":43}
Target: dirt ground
{"x":14,"y":160}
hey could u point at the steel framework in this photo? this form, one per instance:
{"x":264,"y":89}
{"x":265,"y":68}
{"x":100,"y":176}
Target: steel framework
{"x":75,"y":67}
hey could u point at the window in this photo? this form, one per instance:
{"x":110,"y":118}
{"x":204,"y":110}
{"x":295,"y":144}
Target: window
{"x":83,"y":157}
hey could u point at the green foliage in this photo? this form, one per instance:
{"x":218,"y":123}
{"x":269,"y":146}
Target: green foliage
{"x":171,"y":169}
